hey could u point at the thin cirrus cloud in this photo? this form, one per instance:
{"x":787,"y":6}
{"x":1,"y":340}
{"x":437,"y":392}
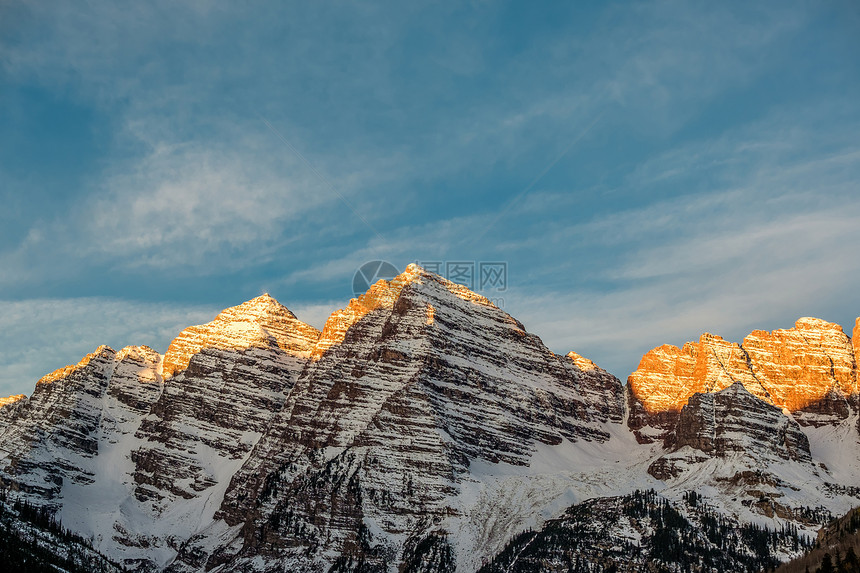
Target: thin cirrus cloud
{"x":648,"y":170}
{"x":761,"y":275}
{"x":41,"y":335}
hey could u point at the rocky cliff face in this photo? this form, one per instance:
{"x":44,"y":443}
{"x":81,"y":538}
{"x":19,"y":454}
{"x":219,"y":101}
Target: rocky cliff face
{"x":227,"y":380}
{"x":749,"y":420}
{"x":414,"y":383}
{"x":347,"y":448}
{"x":809,"y":370}
{"x":53,"y":436}
{"x":116,"y":450}
{"x":421,"y":430}
{"x":855,"y":341}
{"x":9,"y":408}
{"x":728,"y":424}
{"x":804,"y":365}
{"x":67,"y":446}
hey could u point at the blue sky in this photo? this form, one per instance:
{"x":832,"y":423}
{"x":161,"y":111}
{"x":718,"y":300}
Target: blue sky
{"x":647,"y":170}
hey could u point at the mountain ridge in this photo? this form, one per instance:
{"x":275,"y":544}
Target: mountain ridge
{"x":423,"y":424}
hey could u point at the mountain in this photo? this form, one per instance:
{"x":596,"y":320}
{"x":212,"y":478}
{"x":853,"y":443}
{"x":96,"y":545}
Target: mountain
{"x":644,"y":531}
{"x":838,"y":543}
{"x":809,"y":370}
{"x":32,"y":540}
{"x":768,"y":427}
{"x":380,"y":453}
{"x":424,"y":429}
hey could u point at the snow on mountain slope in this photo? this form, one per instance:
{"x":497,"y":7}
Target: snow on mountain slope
{"x":53,"y":436}
{"x":498,"y":501}
{"x":644,"y":531}
{"x":422,"y":429}
{"x":140,"y":464}
{"x":372,"y":456}
{"x":235,"y":374}
{"x":778,"y":443}
{"x":68,"y":444}
{"x":751,"y":461}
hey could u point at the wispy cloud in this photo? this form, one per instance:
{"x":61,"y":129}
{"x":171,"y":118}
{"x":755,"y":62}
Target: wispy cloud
{"x":723,"y":164}
{"x":769,"y":239}
{"x":39,"y":335}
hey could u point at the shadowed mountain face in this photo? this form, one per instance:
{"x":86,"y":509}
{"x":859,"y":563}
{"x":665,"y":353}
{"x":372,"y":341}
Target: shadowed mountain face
{"x":643,"y":531}
{"x":837,"y":548}
{"x":422,"y":429}
{"x":378,"y":434}
{"x":727,"y":424}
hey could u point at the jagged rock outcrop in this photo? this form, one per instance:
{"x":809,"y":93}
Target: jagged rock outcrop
{"x":855,"y":341}
{"x":161,"y":452}
{"x":53,"y":435}
{"x":422,"y":429}
{"x":376,"y":439}
{"x":668,"y":376}
{"x":730,"y":423}
{"x":810,"y":370}
{"x":599,"y":388}
{"x":804,"y":365}
{"x":261,"y":322}
{"x":10,"y":400}
{"x":67,"y":447}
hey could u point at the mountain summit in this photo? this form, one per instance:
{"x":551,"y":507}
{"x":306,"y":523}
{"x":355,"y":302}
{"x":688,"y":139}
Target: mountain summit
{"x":422,"y":430}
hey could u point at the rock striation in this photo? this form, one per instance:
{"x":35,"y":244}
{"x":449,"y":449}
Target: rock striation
{"x":377,"y":437}
{"x":227,"y":380}
{"x":162,"y":452}
{"x":422,"y":430}
{"x":809,"y":370}
{"x":257,"y":439}
{"x":727,"y":424}
{"x":55,"y":434}
{"x":749,"y":420}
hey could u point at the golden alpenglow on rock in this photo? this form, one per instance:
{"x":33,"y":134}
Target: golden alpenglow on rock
{"x":793,"y":368}
{"x":260,"y":322}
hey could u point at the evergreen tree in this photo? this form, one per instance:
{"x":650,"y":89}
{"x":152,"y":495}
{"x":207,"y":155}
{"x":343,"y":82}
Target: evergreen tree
{"x":850,"y":564}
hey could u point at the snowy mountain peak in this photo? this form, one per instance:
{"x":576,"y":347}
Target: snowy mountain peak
{"x":259,"y":308}
{"x":104,"y":352}
{"x":138,"y":353}
{"x":259,"y":322}
{"x":382,"y":295}
{"x":420,"y":431}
